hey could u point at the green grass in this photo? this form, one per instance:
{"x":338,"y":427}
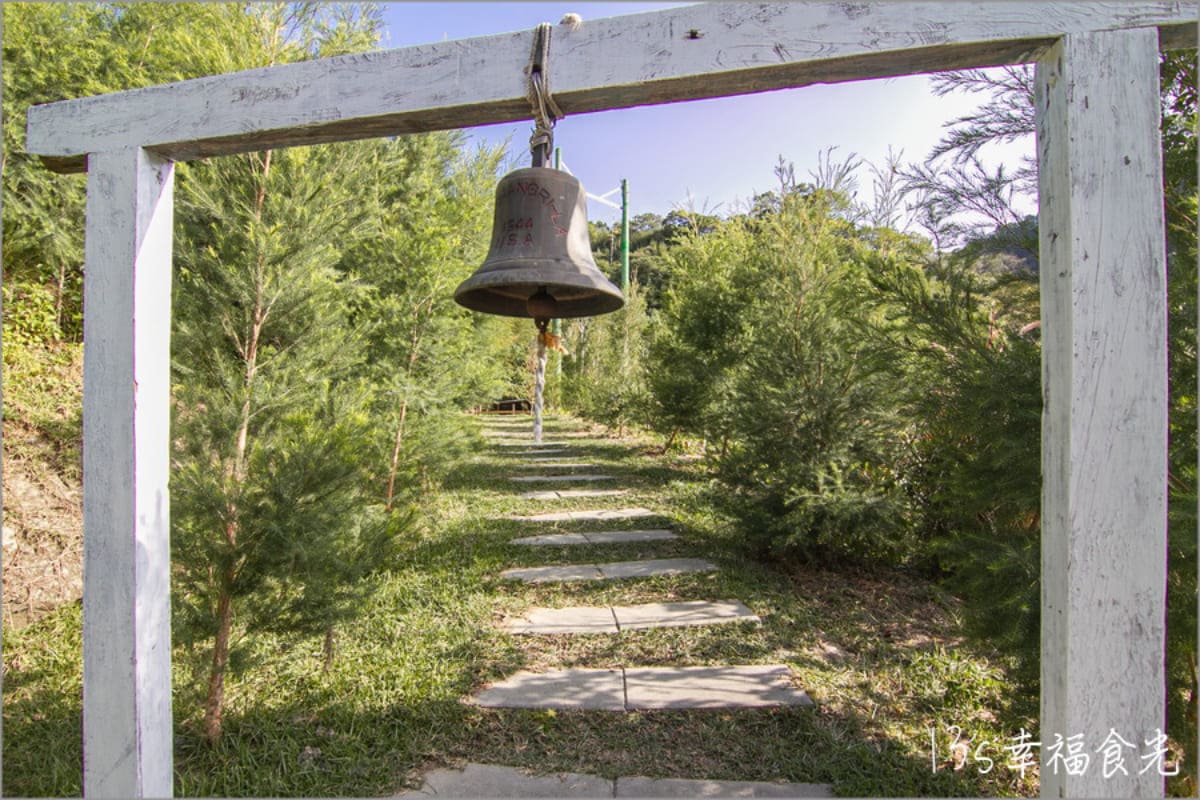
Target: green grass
{"x":880,"y":653}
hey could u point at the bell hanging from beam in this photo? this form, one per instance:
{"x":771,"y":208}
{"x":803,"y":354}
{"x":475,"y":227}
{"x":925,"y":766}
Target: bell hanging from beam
{"x":540,"y":263}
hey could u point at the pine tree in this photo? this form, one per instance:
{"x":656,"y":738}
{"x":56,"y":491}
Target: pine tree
{"x":273,"y":528}
{"x":427,"y":221}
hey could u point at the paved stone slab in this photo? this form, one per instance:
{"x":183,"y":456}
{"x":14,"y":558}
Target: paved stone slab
{"x":587,"y":689}
{"x":552,"y":539}
{"x":595,"y":537}
{"x":529,"y":443}
{"x":646,"y":688}
{"x":484,"y":780}
{"x":679,"y":787}
{"x":610,"y":571}
{"x":711,"y":687}
{"x":567,"y":572}
{"x":609,"y":620}
{"x":678,"y":615}
{"x":654,"y":566}
{"x":568,"y":494}
{"x":552,"y":463}
{"x":622,"y":537}
{"x":577,"y":619}
{"x":598,"y":515}
{"x":552,"y":478}
{"x":551,"y":451}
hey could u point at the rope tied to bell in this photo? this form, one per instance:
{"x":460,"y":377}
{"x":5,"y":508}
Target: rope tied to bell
{"x":545,"y":110}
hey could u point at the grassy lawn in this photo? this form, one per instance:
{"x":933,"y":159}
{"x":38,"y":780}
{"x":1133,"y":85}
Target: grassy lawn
{"x":880,"y":653}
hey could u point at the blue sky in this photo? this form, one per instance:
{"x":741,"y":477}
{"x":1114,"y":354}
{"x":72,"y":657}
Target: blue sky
{"x":707,"y":155}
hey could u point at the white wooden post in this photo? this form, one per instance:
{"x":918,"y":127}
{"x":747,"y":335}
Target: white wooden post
{"x":127,"y":725}
{"x":1104,"y":424}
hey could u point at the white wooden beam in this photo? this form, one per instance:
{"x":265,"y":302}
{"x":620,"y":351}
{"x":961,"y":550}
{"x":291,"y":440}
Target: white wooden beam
{"x":706,"y":50}
{"x":127,"y":725}
{"x":1104,"y":426}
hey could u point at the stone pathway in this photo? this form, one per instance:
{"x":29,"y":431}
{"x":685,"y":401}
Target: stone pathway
{"x":597,"y":537}
{"x":622,"y":688}
{"x":611,"y":571}
{"x":483,"y":780}
{"x":614,"y":619}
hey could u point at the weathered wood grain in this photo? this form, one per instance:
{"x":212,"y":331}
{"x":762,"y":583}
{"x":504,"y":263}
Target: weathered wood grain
{"x":694,"y":52}
{"x":127,"y":721}
{"x":1104,"y":427}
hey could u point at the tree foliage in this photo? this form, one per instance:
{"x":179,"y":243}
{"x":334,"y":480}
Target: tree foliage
{"x":312,"y":291}
{"x":863,"y":396}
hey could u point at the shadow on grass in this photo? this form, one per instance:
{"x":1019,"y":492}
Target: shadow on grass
{"x":43,"y":745}
{"x":877,"y":652}
{"x":324,"y":747}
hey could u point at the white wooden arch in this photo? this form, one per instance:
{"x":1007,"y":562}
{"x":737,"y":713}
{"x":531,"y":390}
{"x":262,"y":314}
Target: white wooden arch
{"x":1103,"y":268}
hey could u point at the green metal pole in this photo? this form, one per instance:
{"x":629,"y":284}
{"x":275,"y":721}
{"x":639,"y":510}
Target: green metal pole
{"x":624,"y":236}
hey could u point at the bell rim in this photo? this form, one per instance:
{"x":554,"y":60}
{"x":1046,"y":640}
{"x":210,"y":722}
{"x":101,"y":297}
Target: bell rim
{"x":601,"y":303}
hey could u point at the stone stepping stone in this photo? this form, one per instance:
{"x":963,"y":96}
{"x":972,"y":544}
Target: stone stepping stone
{"x":553,"y":463}
{"x":566,"y":572}
{"x":526,"y":436}
{"x":597,"y":537}
{"x":599,"y":515}
{"x":681,"y":615}
{"x":682,"y":787}
{"x":712,"y":687}
{"x":593,"y":619}
{"x":577,"y":619}
{"x":552,"y":451}
{"x":552,"y":539}
{"x":567,"y":494}
{"x":646,"y":688}
{"x":551,"y":478}
{"x":530,"y":443}
{"x":584,"y":689}
{"x":655,"y":566}
{"x":624,"y":537}
{"x":486,"y":780}
{"x":611,"y":571}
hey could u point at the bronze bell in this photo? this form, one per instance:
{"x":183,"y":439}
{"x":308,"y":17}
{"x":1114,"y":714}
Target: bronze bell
{"x":540,"y":263}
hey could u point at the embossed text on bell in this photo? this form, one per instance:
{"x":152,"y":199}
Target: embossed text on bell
{"x":540,"y":244}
